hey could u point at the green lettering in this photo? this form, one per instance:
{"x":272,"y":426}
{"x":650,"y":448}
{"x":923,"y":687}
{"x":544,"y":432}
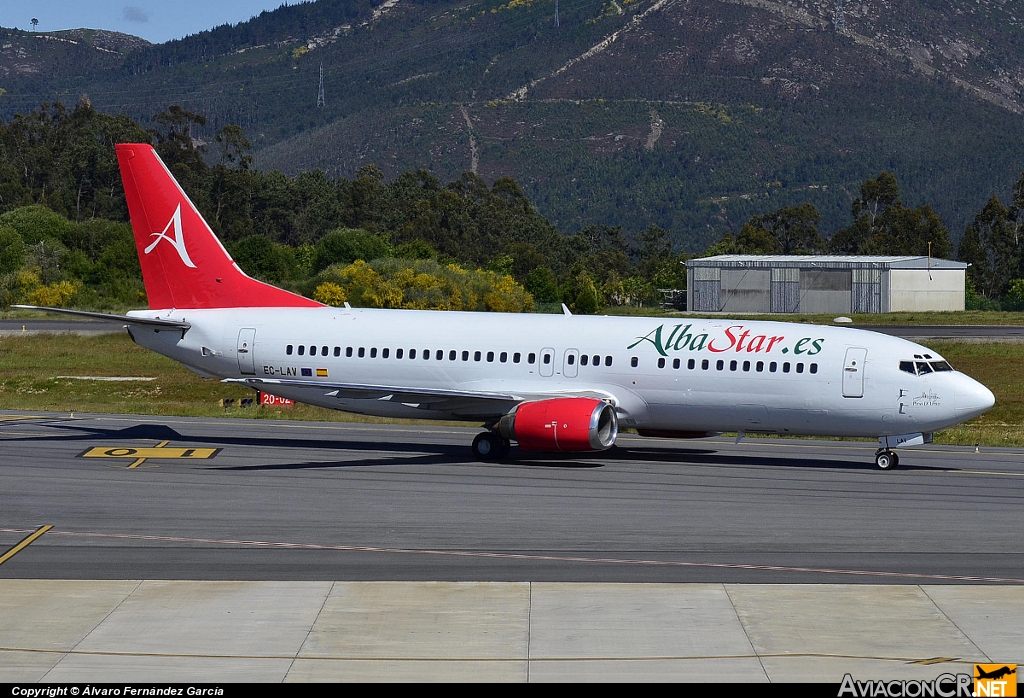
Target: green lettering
{"x":683,"y":339}
{"x":697,"y":346}
{"x":798,"y":348}
{"x":656,"y":341}
{"x":817,"y":346}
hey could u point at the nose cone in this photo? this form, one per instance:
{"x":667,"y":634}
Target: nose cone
{"x":971,"y":398}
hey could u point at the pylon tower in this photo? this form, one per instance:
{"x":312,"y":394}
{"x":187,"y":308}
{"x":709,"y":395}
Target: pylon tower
{"x":320,"y":101}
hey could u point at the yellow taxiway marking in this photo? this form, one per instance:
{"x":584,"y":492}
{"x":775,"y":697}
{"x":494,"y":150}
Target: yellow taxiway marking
{"x":141,"y":454}
{"x":15,"y":418}
{"x":25,"y":542}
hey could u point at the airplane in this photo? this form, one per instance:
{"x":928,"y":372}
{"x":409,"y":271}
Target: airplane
{"x":547,"y":382}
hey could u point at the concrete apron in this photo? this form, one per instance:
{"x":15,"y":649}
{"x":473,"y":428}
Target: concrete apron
{"x":131,"y":631}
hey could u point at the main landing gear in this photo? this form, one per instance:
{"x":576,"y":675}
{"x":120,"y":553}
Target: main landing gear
{"x":886,"y":460}
{"x":490,"y":446}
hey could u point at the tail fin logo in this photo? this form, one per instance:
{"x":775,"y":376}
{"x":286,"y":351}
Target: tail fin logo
{"x":178,"y":240}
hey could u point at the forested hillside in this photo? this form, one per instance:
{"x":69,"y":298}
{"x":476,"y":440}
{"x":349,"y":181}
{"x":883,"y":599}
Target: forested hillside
{"x":692,"y":115}
{"x":408,"y":241}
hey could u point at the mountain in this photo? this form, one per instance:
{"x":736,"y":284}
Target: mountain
{"x":691,"y":114}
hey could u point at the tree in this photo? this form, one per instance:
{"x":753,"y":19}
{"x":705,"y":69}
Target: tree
{"x":876,"y":195}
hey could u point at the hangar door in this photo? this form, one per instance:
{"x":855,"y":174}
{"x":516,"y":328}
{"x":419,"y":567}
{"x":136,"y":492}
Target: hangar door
{"x":853,"y":372}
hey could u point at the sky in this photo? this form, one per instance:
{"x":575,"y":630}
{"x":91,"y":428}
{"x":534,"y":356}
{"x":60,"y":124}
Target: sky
{"x":154,"y":20}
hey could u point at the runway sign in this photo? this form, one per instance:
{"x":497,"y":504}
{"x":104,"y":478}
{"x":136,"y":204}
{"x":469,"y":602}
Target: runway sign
{"x":164,"y":452}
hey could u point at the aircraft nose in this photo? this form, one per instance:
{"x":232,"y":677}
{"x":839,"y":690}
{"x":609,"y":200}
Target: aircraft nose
{"x":971,"y":398}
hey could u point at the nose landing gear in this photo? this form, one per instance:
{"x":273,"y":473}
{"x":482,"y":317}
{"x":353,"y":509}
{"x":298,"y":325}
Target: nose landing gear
{"x":886,"y":460}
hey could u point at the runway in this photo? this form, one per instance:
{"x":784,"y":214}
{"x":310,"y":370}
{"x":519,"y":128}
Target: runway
{"x":220,"y":550}
{"x":274,"y":500}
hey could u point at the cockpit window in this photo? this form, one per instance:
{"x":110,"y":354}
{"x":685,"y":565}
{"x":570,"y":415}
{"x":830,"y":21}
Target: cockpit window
{"x":923,"y":368}
{"x":908,"y":366}
{"x":941,"y":366}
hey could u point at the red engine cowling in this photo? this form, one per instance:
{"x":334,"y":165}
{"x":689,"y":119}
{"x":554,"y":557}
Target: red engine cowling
{"x":562,"y":424}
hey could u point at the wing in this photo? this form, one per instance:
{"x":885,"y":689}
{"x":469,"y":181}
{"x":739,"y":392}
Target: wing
{"x":463,"y":403}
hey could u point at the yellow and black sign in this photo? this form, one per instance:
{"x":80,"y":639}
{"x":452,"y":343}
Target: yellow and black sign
{"x":995,"y":680}
{"x":140,"y":454}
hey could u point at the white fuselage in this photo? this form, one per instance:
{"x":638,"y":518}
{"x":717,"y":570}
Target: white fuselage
{"x":672,"y":374}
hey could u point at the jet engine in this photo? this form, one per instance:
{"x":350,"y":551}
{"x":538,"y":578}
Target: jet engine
{"x":562,"y":424}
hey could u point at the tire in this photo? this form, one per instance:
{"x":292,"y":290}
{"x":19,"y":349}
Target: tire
{"x":488,"y":446}
{"x":886,"y":460}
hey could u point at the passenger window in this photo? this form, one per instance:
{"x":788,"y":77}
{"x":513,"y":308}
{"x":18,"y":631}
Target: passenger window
{"x":517,"y":357}
{"x":503,"y":357}
{"x":584,"y":360}
{"x":800,"y":368}
{"x":941,"y":366}
{"x":348,"y":352}
{"x":675,"y":363}
{"x":570,"y":359}
{"x":661,"y":363}
{"x":288,"y":350}
{"x":426,"y":354}
{"x":607,"y":361}
{"x":772,"y":366}
{"x":690,"y":364}
{"x":362,"y":352}
{"x":732,"y":365}
{"x":814,"y":368}
{"x":412,"y":353}
{"x":704,"y":365}
{"x":908,"y":367}
{"x":785,"y":367}
{"x":439,"y":354}
{"x":452,"y":355}
{"x":465,"y":356}
{"x":597,"y":360}
{"x":476,"y":356}
{"x":337,"y":351}
{"x":746,"y":365}
{"x":384,"y":352}
{"x":399,"y":353}
{"x":373,"y":352}
{"x":302,"y":350}
{"x":720,"y":365}
{"x":634,"y":362}
{"x":531,"y":358}
{"x":923,"y":368}
{"x":547,"y":358}
{"x":760,"y":366}
{"x":324,"y":350}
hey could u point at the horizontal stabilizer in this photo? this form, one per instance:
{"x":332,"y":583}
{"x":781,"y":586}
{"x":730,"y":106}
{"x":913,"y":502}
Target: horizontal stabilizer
{"x":126,"y":319}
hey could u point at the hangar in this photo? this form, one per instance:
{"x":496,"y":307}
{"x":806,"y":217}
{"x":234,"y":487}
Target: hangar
{"x":823,"y":284}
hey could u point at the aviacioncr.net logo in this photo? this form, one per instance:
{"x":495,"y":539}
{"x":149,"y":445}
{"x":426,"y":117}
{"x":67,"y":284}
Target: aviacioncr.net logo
{"x":178,"y":241}
{"x":943,"y":686}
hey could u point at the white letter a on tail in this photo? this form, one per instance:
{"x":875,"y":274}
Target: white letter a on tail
{"x":178,"y":240}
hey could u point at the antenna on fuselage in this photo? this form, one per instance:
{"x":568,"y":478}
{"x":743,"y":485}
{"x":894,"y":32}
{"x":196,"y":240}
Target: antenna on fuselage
{"x":565,"y":309}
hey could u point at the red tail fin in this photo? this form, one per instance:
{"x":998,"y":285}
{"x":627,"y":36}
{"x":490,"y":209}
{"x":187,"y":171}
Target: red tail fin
{"x":183,"y":263}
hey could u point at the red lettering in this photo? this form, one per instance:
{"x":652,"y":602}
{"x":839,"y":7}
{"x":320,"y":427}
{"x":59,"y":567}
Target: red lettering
{"x":732,"y":340}
{"x":772,"y":341}
{"x":739,"y":344}
{"x":755,"y":344}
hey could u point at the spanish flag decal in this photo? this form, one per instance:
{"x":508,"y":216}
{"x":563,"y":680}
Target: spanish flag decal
{"x":321,"y":373}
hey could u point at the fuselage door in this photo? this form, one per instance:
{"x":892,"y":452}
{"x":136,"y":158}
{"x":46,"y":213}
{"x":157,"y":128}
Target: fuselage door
{"x":853,"y":372}
{"x":569,"y":364}
{"x":246,"y":355}
{"x":547,"y":362}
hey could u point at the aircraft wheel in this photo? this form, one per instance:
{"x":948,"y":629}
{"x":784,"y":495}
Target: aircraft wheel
{"x":887,"y":460}
{"x":489,"y":446}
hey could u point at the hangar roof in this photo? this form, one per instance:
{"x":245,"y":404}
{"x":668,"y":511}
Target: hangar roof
{"x":811,"y":261}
